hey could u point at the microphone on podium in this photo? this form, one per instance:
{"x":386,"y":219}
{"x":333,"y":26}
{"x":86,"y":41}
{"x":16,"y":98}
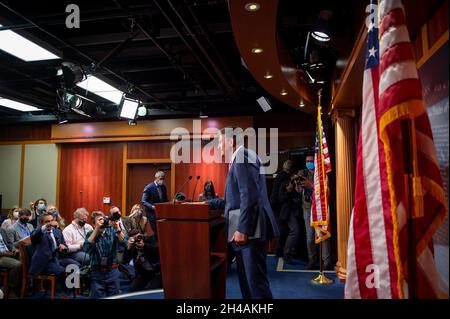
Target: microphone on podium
{"x":195,"y":186}
{"x":181,"y":188}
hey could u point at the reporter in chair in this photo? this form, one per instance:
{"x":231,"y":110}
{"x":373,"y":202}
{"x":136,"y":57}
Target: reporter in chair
{"x":102,"y":244}
{"x":145,"y":254}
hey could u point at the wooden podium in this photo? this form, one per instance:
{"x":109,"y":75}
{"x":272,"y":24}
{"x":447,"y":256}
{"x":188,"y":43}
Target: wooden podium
{"x":192,"y":246}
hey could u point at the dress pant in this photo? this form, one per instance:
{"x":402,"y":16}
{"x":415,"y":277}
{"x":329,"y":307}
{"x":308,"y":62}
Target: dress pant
{"x":145,"y":283}
{"x":310,"y":241}
{"x":57,"y":267}
{"x":252,"y":269}
{"x":105,"y":283}
{"x":292,"y":241}
{"x":81,"y":257}
{"x":15,"y":267}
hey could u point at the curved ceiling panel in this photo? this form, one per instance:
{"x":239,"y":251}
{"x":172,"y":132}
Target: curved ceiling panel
{"x":254,"y":25}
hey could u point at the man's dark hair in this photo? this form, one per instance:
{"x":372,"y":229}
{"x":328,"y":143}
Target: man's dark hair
{"x":44,"y":215}
{"x":309,"y":153}
{"x":24,"y":212}
{"x":95,"y":214}
{"x":133,"y":232}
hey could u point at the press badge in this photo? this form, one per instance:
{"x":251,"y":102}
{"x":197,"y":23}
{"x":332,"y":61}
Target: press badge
{"x":104,"y":262}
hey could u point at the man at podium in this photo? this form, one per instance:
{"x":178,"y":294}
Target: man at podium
{"x":249,"y":218}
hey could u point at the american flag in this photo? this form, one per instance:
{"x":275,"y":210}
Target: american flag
{"x":322,"y":166}
{"x":378,"y":247}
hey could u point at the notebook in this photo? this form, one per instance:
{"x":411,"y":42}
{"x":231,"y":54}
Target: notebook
{"x":233,"y":222}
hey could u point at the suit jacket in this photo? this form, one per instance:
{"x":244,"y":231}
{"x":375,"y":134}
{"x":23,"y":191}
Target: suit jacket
{"x":246,"y":190}
{"x":43,"y":248}
{"x":14,"y":233}
{"x":151,"y":196}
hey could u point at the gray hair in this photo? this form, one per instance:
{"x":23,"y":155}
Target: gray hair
{"x":79,"y":211}
{"x":159,"y":174}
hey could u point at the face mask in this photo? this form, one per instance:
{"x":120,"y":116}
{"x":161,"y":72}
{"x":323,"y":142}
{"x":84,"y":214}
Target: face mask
{"x":16,"y":215}
{"x":81,"y":223}
{"x":41,"y":206}
{"x":54,"y":213}
{"x":24,"y":220}
{"x":310,"y":166}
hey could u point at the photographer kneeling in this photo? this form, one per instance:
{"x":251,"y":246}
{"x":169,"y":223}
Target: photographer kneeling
{"x":102,"y":244}
{"x":144,"y":252}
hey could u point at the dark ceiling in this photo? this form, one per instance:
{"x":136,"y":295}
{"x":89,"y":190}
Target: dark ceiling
{"x":148,"y":46}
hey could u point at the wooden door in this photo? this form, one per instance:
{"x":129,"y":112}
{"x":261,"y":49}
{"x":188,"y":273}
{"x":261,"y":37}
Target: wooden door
{"x":138,"y":176}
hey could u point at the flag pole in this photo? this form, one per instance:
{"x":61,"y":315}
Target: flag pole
{"x":412,"y":258}
{"x":321,"y":279}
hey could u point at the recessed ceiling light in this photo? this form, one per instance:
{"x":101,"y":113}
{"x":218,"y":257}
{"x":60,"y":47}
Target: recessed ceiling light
{"x":19,"y":46}
{"x":17,"y":105}
{"x":252,"y":6}
{"x":284,"y":92}
{"x":257,"y":50}
{"x":268,"y":76}
{"x":301,"y":104}
{"x":101,"y":88}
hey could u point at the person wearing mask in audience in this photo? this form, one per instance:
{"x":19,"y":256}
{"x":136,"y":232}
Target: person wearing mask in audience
{"x":75,"y":235}
{"x":137,"y":221}
{"x":13,"y":216}
{"x":49,"y":247}
{"x":281,"y":179}
{"x":52,"y":210}
{"x":39,"y":208}
{"x":145,"y":255}
{"x":307,"y":185}
{"x":290,"y":198}
{"x":9,"y":259}
{"x":21,"y":228}
{"x":208,"y":192}
{"x":155,"y":192}
{"x":102,"y":244}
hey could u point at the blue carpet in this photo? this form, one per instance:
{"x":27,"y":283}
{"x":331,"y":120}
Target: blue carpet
{"x":285,"y":284}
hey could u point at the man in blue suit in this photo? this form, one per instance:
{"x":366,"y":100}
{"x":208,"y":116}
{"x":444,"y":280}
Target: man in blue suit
{"x":246,"y":194}
{"x":155,"y":192}
{"x":48,"y":243}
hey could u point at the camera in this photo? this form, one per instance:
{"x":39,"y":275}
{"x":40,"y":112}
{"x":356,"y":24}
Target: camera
{"x":299,"y":179}
{"x":138,"y":238}
{"x":113,"y":218}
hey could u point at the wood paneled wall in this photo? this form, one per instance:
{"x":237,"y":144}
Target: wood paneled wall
{"x":89,"y":172}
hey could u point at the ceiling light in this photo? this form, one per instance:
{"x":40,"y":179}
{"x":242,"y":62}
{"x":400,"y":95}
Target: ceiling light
{"x":268,"y":76}
{"x":132,"y":122}
{"x":203,"y":115}
{"x":301,"y":104}
{"x":252,"y":6}
{"x":257,"y":50}
{"x":17,"y":105}
{"x":321,"y":36}
{"x":19,"y":46}
{"x":129,"y":108}
{"x":101,"y":88}
{"x":284,"y":92}
{"x":320,"y":82}
{"x":264,"y":103}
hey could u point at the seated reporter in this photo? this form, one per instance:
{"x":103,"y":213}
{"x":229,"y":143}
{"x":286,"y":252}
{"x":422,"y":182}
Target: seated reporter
{"x":49,"y":247}
{"x":9,"y":259}
{"x":102,"y":244}
{"x":75,"y":235}
{"x":145,"y":255}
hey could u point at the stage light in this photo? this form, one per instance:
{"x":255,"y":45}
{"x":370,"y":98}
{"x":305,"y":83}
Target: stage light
{"x":264,"y":104}
{"x":17,"y":105}
{"x":128,"y":108}
{"x":268,"y":75}
{"x":62,"y":118}
{"x":70,"y":74}
{"x":284,"y":92}
{"x":26,"y":50}
{"x":142,"y":111}
{"x":101,"y":88}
